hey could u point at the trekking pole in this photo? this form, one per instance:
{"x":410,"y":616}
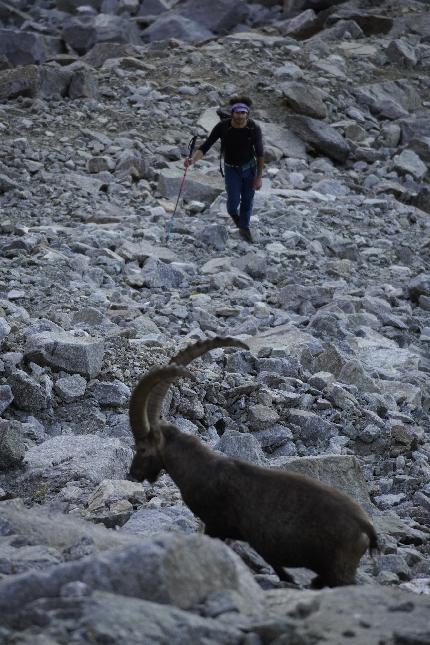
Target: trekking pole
{"x":191,"y":147}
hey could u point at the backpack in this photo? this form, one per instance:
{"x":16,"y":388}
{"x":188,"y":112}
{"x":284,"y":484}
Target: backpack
{"x":225,"y":117}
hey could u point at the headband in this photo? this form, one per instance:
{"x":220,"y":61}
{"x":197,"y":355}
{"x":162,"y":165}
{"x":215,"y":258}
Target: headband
{"x":240,"y":107}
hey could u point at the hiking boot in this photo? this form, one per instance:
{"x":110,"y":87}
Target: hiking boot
{"x":245,"y":233}
{"x":235,"y":220}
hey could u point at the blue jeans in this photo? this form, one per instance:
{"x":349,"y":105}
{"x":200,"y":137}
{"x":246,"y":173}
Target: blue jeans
{"x":239,"y":185}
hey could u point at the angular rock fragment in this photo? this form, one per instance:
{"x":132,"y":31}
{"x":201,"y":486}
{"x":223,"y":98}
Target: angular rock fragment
{"x":320,"y":136}
{"x":61,"y":350}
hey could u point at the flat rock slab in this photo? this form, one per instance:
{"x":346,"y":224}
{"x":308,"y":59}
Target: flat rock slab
{"x":23,"y":81}
{"x":72,"y":457}
{"x":58,"y":531}
{"x":118,"y":619}
{"x":283,"y":337}
{"x":63,"y":351}
{"x":143,"y":250}
{"x":180,"y":570}
{"x":362,"y":615}
{"x":378,"y":353}
{"x":341,"y":471}
{"x":197,"y":186}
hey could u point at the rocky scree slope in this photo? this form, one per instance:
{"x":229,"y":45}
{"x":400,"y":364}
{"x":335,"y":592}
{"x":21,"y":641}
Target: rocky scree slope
{"x":333,"y":299}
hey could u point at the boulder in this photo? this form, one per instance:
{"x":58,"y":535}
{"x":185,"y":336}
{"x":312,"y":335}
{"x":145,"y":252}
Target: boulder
{"x":320,"y":136}
{"x":12,"y":445}
{"x":83,"y":33}
{"x":219,"y":17}
{"x":22,"y":81}
{"x":61,"y":350}
{"x":198,"y":186}
{"x":390,"y":99}
{"x":304,"y":99}
{"x":169,"y":26}
{"x":341,"y":471}
{"x":28,"y":48}
{"x":70,"y":457}
{"x":172,"y":569}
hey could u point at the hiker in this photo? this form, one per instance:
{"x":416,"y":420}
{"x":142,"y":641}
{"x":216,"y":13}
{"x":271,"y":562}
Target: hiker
{"x":242,"y":145}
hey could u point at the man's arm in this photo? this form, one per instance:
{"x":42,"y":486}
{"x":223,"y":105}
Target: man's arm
{"x":259,"y":176}
{"x":208,"y":143}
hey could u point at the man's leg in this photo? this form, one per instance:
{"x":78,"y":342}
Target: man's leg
{"x":246,"y":197}
{"x":232,"y":178}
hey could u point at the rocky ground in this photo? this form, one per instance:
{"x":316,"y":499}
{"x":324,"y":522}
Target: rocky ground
{"x":98,"y":283}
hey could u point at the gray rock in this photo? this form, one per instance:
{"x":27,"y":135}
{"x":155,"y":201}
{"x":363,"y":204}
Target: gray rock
{"x":63,"y":532}
{"x":341,"y":30}
{"x":160,"y":274}
{"x":399,"y":51}
{"x":72,"y":6}
{"x":253,"y":264}
{"x":27,"y":48}
{"x":12,"y":447}
{"x":301,"y":26}
{"x":261,"y":417}
{"x":214,"y":235}
{"x":112,"y":616}
{"x":419,"y":286}
{"x":340,"y":397}
{"x":70,"y":388}
{"x":23,"y":81}
{"x":219,"y":17}
{"x":395,"y":564}
{"x":68,"y":457}
{"x":110,"y":394}
{"x":173,"y":569}
{"x":83,"y":33}
{"x":83,"y":83}
{"x":6,"y":397}
{"x":353,"y":373}
{"x":390,"y":99}
{"x":409,"y":162}
{"x":151,"y":521}
{"x":311,"y":428}
{"x":283,"y":140}
{"x":4,"y":329}
{"x":320,"y":136}
{"x":304,"y":99}
{"x":288,"y":366}
{"x":53,"y":81}
{"x":104,"y":51}
{"x":333,"y":613}
{"x":241,"y":446}
{"x":16,"y":560}
{"x":61,"y":350}
{"x":29,"y":393}
{"x":152,"y":7}
{"x":341,"y":471}
{"x":198,"y":187}
{"x":169,"y":26}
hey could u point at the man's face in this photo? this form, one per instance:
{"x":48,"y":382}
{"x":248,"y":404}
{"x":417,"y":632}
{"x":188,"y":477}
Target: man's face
{"x":239,"y":119}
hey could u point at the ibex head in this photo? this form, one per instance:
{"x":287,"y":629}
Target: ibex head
{"x":146,"y":422}
{"x":146,"y":403}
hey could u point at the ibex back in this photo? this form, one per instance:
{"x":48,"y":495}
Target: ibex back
{"x":291,"y":520}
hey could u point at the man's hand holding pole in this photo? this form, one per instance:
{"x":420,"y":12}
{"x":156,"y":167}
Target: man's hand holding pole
{"x":196,"y":156}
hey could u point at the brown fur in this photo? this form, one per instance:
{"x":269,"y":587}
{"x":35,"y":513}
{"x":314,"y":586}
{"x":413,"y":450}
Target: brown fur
{"x":291,"y":520}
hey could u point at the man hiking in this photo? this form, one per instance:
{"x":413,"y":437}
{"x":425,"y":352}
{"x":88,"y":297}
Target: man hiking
{"x":242,"y":145}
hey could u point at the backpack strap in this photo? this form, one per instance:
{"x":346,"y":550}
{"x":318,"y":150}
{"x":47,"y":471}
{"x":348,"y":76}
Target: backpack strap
{"x":250,"y":126}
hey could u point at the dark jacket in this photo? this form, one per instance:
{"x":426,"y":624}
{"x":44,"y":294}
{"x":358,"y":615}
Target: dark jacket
{"x":239,"y":145}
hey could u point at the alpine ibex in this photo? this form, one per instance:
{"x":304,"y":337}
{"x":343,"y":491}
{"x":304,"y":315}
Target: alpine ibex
{"x":291,"y":520}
